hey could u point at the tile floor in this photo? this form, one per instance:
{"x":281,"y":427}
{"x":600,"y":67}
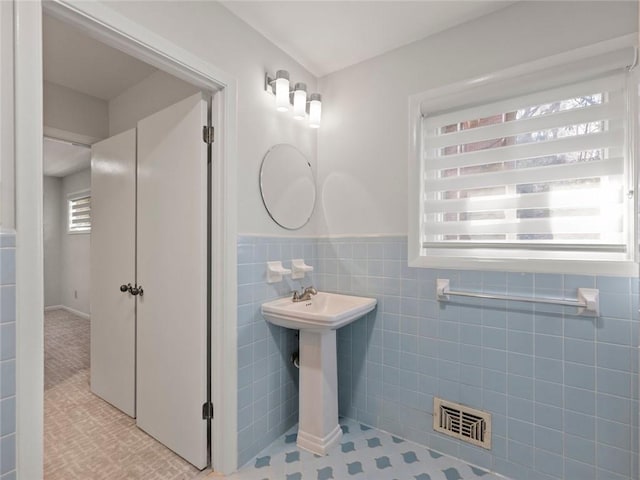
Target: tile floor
{"x":363,"y":453}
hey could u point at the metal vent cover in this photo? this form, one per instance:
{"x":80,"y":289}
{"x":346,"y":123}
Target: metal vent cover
{"x":462,"y":422}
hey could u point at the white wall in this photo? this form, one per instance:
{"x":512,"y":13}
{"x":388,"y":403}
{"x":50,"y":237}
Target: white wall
{"x":211,"y":32}
{"x":66,"y":256}
{"x":74,"y":249}
{"x":53,"y":228}
{"x":157,"y":91}
{"x":7,"y":200}
{"x":71,"y":111}
{"x":364,"y":139}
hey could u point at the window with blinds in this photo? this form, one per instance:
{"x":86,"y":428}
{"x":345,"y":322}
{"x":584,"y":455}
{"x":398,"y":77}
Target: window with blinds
{"x":80,"y":214}
{"x":547,"y":174}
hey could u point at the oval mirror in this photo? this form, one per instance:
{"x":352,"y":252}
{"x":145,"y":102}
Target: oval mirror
{"x":287,"y":185}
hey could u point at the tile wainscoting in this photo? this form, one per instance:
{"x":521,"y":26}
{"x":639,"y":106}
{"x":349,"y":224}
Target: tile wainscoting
{"x":267,"y":381}
{"x":562,"y":389}
{"x":7,"y":356}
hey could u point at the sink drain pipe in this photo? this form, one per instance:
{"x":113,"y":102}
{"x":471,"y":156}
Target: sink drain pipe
{"x":295,"y":359}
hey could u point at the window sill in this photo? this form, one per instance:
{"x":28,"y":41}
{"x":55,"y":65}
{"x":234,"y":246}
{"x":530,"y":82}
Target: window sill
{"x":575,"y":267}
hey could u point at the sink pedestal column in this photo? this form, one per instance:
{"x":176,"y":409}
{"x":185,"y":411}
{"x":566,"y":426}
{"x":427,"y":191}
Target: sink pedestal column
{"x":318,"y":427}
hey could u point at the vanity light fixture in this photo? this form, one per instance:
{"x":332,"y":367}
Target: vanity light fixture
{"x":279,"y":86}
{"x":296,"y":96}
{"x":282,"y":90}
{"x":315,"y":110}
{"x":299,"y":101}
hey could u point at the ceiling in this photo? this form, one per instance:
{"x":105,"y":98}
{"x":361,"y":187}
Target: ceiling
{"x":63,"y":158}
{"x":74,"y":60}
{"x":326,"y":36}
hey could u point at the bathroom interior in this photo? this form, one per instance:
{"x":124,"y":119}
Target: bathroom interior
{"x":460,"y":203}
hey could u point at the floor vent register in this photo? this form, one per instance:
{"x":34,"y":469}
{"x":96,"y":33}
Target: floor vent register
{"x":462,"y":422}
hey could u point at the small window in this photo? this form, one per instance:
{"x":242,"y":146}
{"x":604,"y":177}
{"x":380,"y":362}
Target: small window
{"x":80,"y":214}
{"x":546,"y":176}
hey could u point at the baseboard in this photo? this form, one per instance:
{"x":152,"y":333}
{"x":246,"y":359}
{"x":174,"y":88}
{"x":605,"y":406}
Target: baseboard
{"x":80,"y":314}
{"x":53,"y":307}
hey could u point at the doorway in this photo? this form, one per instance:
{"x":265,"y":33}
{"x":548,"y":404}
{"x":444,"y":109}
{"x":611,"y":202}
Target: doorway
{"x":117,"y":200}
{"x":30,"y":355}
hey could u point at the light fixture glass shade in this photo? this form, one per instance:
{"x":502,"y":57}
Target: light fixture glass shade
{"x":299,"y":101}
{"x":282,"y":90}
{"x":315,"y":110}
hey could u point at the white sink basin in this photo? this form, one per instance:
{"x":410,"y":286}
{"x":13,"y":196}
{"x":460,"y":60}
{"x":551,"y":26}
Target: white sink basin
{"x":323,"y":311}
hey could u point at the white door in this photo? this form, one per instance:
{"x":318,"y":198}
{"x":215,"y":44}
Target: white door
{"x":113,"y":322}
{"x":171,"y":267}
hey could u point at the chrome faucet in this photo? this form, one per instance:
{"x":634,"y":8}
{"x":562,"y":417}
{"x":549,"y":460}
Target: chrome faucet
{"x":304,"y":295}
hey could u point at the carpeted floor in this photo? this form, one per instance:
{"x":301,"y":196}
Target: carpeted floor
{"x":85,"y":437}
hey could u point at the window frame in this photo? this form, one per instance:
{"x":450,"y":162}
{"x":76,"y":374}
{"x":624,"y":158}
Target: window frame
{"x":71,"y":197}
{"x":514,"y":82}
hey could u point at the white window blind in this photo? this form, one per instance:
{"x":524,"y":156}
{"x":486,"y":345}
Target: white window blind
{"x":80,"y":214}
{"x":549,"y":171}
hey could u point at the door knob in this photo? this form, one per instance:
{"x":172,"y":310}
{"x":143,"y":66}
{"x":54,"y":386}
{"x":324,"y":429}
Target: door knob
{"x":136,"y":290}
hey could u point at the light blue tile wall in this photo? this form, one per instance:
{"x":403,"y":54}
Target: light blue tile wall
{"x":7,"y":357}
{"x":267,"y":381}
{"x":562,"y":389}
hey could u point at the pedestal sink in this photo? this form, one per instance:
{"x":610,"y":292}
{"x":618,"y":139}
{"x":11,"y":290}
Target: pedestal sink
{"x":318,"y":319}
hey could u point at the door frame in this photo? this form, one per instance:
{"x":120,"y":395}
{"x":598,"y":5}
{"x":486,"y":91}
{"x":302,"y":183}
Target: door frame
{"x":110,"y":27}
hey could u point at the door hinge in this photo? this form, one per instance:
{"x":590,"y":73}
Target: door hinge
{"x":207,"y":135}
{"x":207,"y":411}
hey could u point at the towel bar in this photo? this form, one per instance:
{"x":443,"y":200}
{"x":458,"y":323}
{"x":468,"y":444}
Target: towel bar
{"x":588,"y":300}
